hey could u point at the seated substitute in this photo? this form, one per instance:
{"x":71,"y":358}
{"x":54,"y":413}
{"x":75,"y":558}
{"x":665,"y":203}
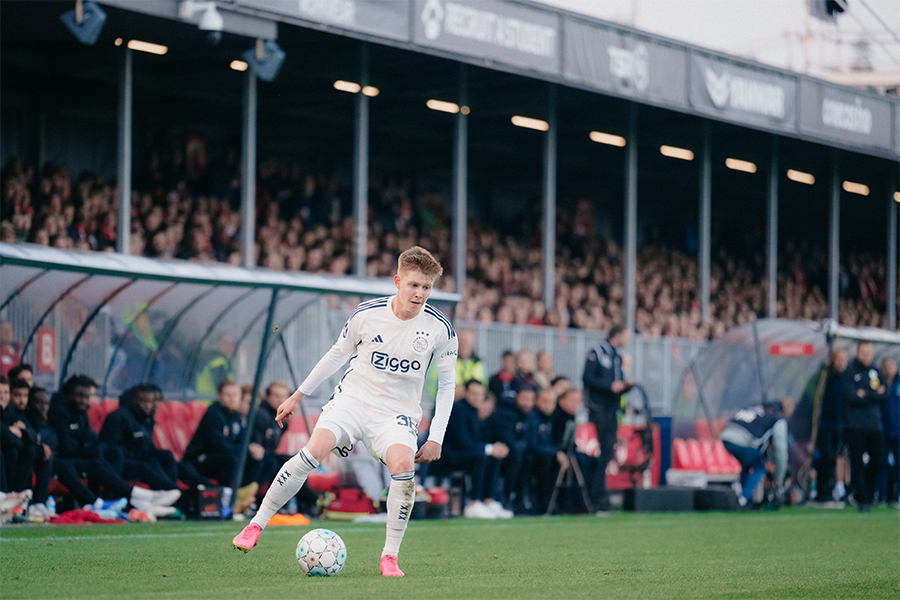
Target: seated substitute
{"x":45,"y":443}
{"x":129,"y":429}
{"x":750,"y":435}
{"x":564,"y":427}
{"x":81,"y":452}
{"x":465,"y":449}
{"x":267,"y":434}
{"x":509,"y":424}
{"x":18,"y":439}
{"x":546,"y":456}
{"x":216,"y":445}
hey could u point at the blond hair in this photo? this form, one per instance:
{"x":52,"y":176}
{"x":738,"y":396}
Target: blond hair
{"x":419,"y":259}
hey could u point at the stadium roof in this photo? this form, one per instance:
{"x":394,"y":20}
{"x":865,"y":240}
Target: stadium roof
{"x":45,"y":70}
{"x":555,"y":45}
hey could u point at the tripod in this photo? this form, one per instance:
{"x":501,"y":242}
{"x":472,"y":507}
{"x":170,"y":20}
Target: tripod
{"x":567,"y":473}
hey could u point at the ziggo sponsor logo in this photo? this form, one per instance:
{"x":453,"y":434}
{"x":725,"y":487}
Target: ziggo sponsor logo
{"x":385,"y":362}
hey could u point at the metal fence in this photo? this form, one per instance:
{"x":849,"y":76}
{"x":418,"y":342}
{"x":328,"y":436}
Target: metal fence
{"x":657,"y":363}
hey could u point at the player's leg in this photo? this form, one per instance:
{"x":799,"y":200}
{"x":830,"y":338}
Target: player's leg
{"x":400,"y":460}
{"x":287,"y":483}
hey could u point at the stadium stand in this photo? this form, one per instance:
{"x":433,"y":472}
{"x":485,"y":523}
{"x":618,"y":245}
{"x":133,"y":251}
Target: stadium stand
{"x":303,"y":226}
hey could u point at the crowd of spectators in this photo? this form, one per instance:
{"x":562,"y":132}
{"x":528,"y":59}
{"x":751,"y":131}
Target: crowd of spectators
{"x":184,"y":209}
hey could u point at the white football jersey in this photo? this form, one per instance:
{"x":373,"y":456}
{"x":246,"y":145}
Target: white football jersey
{"x":390,"y":356}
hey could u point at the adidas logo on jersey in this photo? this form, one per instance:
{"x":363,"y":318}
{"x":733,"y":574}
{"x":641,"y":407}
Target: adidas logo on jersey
{"x":377,"y":339}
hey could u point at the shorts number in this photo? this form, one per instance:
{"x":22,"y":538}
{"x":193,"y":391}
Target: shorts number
{"x":407,"y":422}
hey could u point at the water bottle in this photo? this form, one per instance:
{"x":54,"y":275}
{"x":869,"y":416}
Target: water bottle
{"x":51,"y":504}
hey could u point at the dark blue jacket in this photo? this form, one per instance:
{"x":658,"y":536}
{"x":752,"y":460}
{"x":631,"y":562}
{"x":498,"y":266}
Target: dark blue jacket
{"x":219,"y":431}
{"x":863,"y":414}
{"x":131,"y":429}
{"x":266,"y":431}
{"x":507,"y":424}
{"x":540,"y":434}
{"x":832,"y":416}
{"x":76,"y":438}
{"x":463,"y":436}
{"x":602,"y":367}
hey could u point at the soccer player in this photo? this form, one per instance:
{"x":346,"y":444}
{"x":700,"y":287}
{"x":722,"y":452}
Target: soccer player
{"x":390,"y":343}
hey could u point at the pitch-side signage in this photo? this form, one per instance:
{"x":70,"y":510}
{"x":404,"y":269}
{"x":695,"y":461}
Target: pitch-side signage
{"x":792,"y":349}
{"x":386,"y":18}
{"x":494,"y":29}
{"x":726,"y":90}
{"x":842,"y":115}
{"x":623,"y":63}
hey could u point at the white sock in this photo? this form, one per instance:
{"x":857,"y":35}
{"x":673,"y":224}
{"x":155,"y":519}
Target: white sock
{"x":286,"y":485}
{"x":401,"y":497}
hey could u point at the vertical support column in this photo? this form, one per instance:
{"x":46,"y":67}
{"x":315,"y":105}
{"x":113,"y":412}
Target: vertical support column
{"x":361,"y":166}
{"x":549,"y":200}
{"x":772,"y":233}
{"x":123,"y":160}
{"x":834,"y":234}
{"x":248,"y":170}
{"x":264,"y":349}
{"x":461,"y":182}
{"x":631,"y":199}
{"x":892,"y":253}
{"x":705,"y":220}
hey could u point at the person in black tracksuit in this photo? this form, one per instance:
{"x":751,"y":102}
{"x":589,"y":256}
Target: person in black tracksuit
{"x":509,"y":424}
{"x":45,"y":443}
{"x":864,"y":393}
{"x":465,"y":449}
{"x":546,"y":456}
{"x":830,"y":435}
{"x":18,"y":450}
{"x":80,"y":452}
{"x":216,"y":445}
{"x":604,"y":384}
{"x":267,"y":434}
{"x":129,"y":430}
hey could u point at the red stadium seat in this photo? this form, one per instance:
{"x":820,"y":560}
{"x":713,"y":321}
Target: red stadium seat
{"x":197,"y":410}
{"x":109,"y":405}
{"x":175,"y":426}
{"x":96,"y":416}
{"x":294,"y":438}
{"x":696,"y":455}
{"x":681,"y":457}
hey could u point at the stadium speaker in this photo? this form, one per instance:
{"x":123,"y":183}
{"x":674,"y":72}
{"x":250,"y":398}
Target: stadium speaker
{"x":85,"y":21}
{"x":265,"y":59}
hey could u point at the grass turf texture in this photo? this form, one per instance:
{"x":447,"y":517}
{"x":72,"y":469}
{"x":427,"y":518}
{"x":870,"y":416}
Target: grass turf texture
{"x":791,"y":553}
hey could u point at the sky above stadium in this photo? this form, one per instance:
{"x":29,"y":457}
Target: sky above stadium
{"x":770,"y":31}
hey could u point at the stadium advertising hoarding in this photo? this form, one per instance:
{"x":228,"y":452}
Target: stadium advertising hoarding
{"x":741,"y":94}
{"x":385,"y":18}
{"x":623,"y":63}
{"x":841,"y":115}
{"x":504,"y":32}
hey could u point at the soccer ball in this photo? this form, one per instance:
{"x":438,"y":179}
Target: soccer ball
{"x":321,"y":553}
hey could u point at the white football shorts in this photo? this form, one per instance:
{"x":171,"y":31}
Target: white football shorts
{"x":350,"y":422}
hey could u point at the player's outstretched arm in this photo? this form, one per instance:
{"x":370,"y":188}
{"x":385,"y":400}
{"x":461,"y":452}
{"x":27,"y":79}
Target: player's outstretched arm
{"x":286,"y":409}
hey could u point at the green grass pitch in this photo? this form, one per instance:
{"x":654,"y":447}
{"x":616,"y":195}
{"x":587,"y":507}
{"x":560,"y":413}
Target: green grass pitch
{"x":791,"y":553}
